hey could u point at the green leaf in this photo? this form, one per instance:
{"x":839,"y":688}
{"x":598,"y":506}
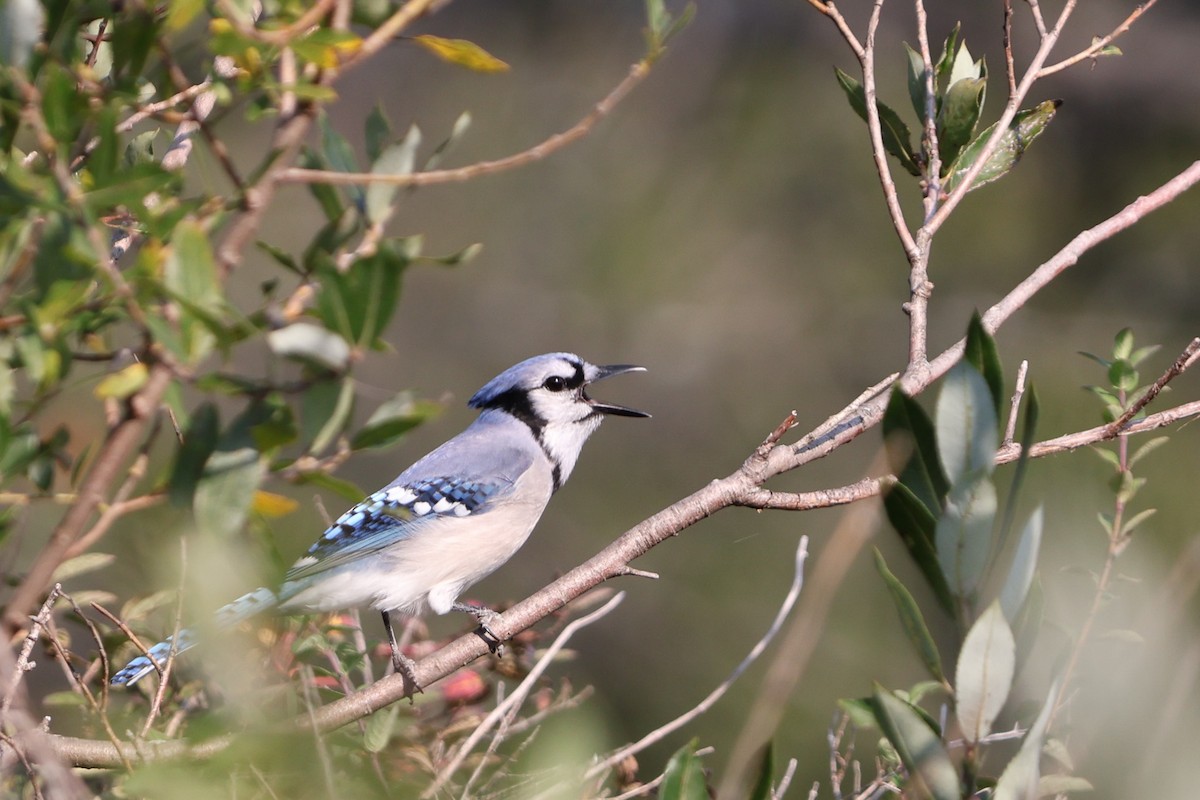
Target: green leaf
{"x":912,"y":619}
{"x":311,"y":343}
{"x":982,"y":354}
{"x":64,"y":108}
{"x":339,"y":157}
{"x":326,"y":196}
{"x":1024,"y":564}
{"x":961,"y":106}
{"x":81,"y":565}
{"x":396,"y":159}
{"x":1137,"y":519}
{"x":963,"y":538}
{"x":1123,"y":344}
{"x":226,"y":490}
{"x":133,"y":37}
{"x":342,"y":488}
{"x":917,"y":528}
{"x":967,"y":430}
{"x":912,"y":449}
{"x":684,"y":776}
{"x":766,"y":771}
{"x":379,"y":728}
{"x":916,"y":81}
{"x":1019,"y":780}
{"x":949,"y":51}
{"x":324,"y":411}
{"x":377,"y":133}
{"x":896,"y":137}
{"x":861,"y":712}
{"x":984,"y":674}
{"x":393,"y":419}
{"x":964,"y":67}
{"x":190,"y":274}
{"x":931,"y":772}
{"x":1026,"y":126}
{"x":359,"y":302}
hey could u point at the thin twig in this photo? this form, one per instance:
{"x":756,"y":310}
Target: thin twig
{"x":520,"y":693}
{"x":1185,"y":360}
{"x":1099,"y":44}
{"x":660,"y":733}
{"x":1014,"y":405}
{"x":637,"y":73}
{"x":23,"y":664}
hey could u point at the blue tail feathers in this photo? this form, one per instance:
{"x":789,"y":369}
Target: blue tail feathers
{"x":245,"y":606}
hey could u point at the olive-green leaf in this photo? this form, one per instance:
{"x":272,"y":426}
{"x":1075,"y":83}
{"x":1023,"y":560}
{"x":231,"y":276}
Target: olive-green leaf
{"x":981,"y":353}
{"x":911,"y":619}
{"x":984,"y":674}
{"x":379,"y":728}
{"x":916,"y":81}
{"x":967,"y":430}
{"x":684,"y":776}
{"x":393,"y":419}
{"x":917,"y":528}
{"x":199,"y":442}
{"x":1024,"y":564}
{"x":912,"y":451}
{"x":766,"y":775}
{"x":931,"y":772}
{"x":1020,"y":778}
{"x":396,"y":159}
{"x":964,"y":534}
{"x":1026,"y":126}
{"x":897,"y":139}
{"x":324,"y":411}
{"x":961,"y":106}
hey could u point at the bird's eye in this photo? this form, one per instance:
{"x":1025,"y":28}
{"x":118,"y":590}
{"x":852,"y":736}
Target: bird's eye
{"x":555,"y":383}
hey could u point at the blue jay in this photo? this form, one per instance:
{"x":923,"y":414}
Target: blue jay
{"x":448,"y":520}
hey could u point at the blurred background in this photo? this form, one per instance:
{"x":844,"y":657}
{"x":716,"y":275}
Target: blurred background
{"x":724,"y":227}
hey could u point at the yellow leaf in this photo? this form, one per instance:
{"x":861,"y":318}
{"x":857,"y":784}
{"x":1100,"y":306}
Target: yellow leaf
{"x":461,"y":52}
{"x":270,"y":504}
{"x":123,"y":383}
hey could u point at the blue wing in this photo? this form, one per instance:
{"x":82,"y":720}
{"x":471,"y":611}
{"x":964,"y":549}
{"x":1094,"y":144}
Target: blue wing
{"x":392,"y":515}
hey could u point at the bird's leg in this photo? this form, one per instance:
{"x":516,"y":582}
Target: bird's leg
{"x":483,"y":615}
{"x":403,"y":664}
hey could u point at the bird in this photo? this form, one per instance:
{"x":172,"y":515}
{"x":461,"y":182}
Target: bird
{"x":446,"y":522}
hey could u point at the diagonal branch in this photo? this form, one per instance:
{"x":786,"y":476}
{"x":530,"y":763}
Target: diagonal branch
{"x":637,"y":73}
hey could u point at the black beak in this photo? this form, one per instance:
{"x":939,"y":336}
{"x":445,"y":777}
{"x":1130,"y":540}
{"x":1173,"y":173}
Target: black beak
{"x":612,"y":408}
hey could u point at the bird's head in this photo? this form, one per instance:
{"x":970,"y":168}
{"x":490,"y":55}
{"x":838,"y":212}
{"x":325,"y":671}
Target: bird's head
{"x":549,"y":394}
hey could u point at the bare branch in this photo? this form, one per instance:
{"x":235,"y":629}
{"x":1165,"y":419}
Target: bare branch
{"x":637,"y":73}
{"x":1015,"y":404}
{"x":1099,"y":44}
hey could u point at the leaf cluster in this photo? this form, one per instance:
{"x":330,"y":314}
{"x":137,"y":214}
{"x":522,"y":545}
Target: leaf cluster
{"x":955,"y":107}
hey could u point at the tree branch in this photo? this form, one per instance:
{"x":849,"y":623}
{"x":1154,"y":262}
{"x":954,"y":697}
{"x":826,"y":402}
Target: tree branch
{"x":637,"y":74}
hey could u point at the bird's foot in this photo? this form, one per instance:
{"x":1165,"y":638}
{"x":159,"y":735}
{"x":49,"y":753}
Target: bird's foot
{"x":483,"y":615}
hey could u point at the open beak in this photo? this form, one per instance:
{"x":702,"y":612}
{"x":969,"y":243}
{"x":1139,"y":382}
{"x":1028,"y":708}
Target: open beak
{"x":612,"y":408}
